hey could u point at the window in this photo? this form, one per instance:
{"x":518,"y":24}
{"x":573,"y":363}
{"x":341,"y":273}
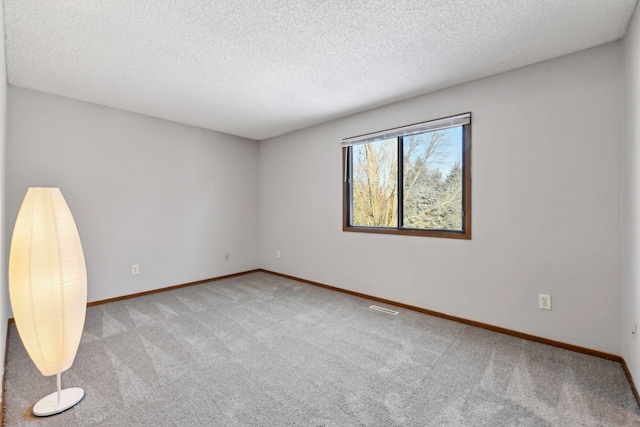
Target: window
{"x":413,"y":180}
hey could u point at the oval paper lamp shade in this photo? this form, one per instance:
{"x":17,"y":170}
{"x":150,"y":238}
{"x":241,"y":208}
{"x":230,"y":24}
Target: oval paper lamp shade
{"x":48,"y":280}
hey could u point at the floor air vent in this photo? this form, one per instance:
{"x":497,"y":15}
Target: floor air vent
{"x":382,"y":309}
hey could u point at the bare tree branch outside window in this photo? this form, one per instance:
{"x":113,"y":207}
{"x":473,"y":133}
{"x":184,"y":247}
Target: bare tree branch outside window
{"x":432,"y":182}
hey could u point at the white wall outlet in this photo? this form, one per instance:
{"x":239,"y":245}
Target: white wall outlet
{"x":544,"y":302}
{"x":135,"y":269}
{"x":227,"y":257}
{"x":278,"y":254}
{"x":634,"y":329}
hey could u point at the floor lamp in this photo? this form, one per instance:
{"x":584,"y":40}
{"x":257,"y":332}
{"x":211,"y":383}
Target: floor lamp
{"x":48,"y":289}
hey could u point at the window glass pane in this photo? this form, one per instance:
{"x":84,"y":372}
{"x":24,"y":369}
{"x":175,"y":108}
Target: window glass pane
{"x":374,"y":184}
{"x":433,"y":180}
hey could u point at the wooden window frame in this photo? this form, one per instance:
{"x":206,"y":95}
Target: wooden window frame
{"x":465,"y":233}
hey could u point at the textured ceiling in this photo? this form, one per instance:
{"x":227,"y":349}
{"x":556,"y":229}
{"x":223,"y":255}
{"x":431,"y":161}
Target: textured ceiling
{"x":261,"y":68}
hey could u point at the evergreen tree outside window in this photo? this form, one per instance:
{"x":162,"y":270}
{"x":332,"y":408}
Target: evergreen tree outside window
{"x":413,"y":180}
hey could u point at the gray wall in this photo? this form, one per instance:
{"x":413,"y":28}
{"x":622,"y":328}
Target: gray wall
{"x":547,"y":207}
{"x":171,"y":198}
{"x":4,"y":288}
{"x":631,"y":272}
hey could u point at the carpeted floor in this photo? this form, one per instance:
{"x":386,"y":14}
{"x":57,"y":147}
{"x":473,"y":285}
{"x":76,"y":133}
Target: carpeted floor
{"x":261,"y":350}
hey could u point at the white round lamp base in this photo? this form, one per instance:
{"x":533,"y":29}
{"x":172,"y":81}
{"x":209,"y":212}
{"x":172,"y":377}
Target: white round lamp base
{"x":49,"y":405}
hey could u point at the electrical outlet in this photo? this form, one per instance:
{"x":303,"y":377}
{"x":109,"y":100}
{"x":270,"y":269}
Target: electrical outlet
{"x":544,"y":302}
{"x":278,"y":254}
{"x":135,"y":269}
{"x":227,"y":257}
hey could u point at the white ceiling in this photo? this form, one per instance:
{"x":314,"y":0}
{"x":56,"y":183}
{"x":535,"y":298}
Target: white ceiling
{"x":261,"y":68}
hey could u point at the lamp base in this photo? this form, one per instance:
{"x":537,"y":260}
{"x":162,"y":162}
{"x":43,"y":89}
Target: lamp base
{"x":49,"y":405}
